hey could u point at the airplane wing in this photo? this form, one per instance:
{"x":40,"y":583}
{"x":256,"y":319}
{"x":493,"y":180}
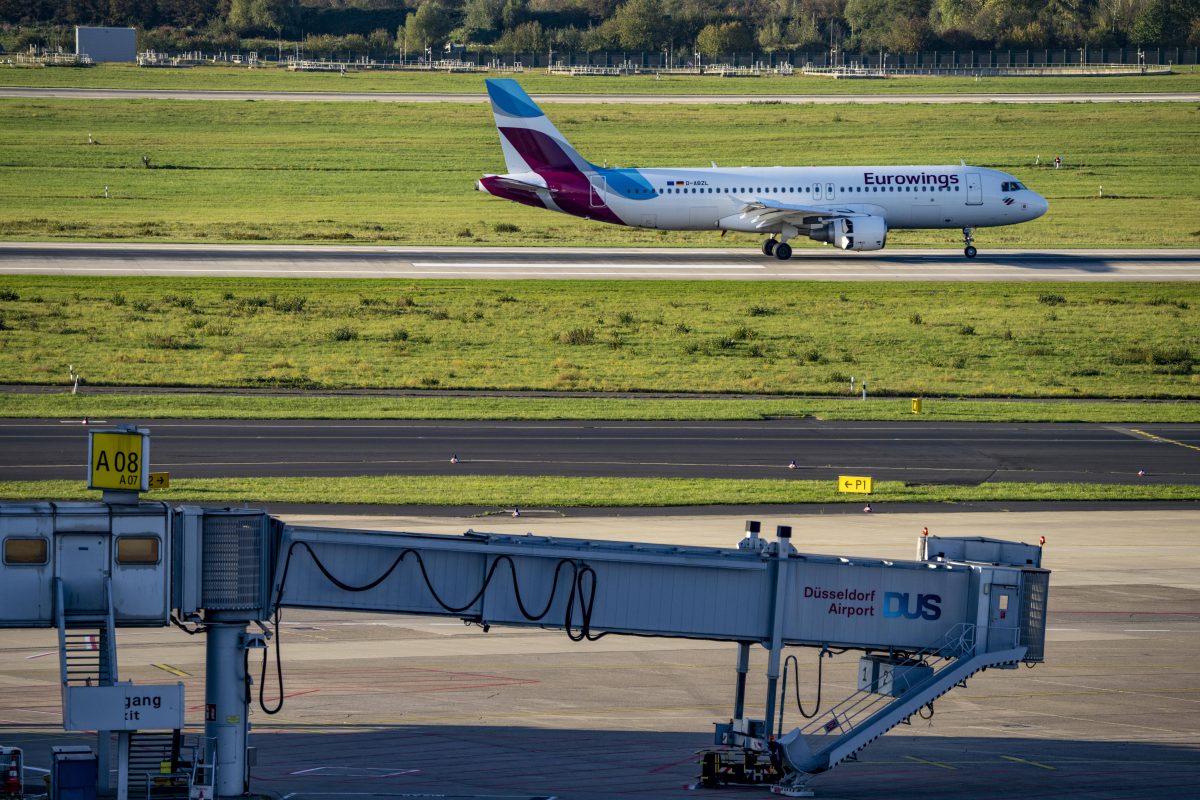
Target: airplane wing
{"x":769,"y":212}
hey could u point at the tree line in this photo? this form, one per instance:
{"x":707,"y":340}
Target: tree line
{"x":391,"y":28}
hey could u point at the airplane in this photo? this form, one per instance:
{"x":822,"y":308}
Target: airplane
{"x":852,"y":208}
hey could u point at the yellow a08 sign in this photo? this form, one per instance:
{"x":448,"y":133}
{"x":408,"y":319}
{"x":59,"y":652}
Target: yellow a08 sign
{"x":117,"y":460}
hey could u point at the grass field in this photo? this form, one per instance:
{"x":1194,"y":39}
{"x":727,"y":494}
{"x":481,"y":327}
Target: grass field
{"x":121,"y":76}
{"x":535,"y":492}
{"x":185,"y":405}
{"x":397,"y":173}
{"x":999,"y":340}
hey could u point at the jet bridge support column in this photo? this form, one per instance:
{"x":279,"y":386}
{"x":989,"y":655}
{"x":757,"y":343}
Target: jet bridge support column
{"x":743,"y":667}
{"x":783,"y":544}
{"x":227,"y":706}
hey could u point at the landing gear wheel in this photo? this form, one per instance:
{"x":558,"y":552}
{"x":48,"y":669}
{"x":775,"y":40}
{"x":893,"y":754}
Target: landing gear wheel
{"x":768,"y":247}
{"x":969,"y":243}
{"x":969,"y":251}
{"x":783,"y":251}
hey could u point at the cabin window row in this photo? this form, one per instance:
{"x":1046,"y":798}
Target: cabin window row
{"x":803,"y":190}
{"x":131,"y":550}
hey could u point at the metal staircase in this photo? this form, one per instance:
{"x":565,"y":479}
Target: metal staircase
{"x":87,"y":641}
{"x":160,"y":765}
{"x":863,"y":717}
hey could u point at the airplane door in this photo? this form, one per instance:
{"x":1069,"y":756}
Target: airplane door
{"x":599,"y":188}
{"x":974,"y":189}
{"x":81,"y":561}
{"x":829,"y":191}
{"x":1003,"y":626}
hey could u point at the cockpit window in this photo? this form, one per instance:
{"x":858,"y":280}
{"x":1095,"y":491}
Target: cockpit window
{"x":1011,"y":186}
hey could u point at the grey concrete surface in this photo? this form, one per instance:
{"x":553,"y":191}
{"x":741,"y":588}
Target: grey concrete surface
{"x":825,"y":264}
{"x":688,"y":99}
{"x":389,"y":706}
{"x":934,"y":452}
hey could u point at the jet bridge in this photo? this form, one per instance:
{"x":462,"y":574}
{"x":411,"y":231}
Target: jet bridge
{"x":924,"y":626}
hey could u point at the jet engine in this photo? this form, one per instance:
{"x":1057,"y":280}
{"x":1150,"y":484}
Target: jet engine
{"x":853,"y":233}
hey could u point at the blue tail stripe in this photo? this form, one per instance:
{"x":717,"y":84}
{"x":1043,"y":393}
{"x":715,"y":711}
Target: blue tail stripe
{"x":509,"y":97}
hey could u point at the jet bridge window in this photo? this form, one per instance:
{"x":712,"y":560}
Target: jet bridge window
{"x":25,"y":551}
{"x":135,"y":550}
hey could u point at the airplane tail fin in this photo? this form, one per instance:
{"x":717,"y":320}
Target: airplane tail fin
{"x":529,"y":140}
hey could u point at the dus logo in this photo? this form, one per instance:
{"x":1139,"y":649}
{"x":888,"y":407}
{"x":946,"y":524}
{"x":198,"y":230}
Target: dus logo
{"x":900,"y":604}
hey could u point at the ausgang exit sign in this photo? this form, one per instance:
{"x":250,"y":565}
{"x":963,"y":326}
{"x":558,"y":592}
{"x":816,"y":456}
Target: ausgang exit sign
{"x":119,"y":459}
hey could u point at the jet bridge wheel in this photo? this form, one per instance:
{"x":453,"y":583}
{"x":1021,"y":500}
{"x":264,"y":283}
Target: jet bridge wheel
{"x":768,"y":247}
{"x":783,"y":251}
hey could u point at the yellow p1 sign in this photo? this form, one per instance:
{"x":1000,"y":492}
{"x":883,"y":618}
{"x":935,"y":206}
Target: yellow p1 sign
{"x":855,"y":484}
{"x":118,"y":460}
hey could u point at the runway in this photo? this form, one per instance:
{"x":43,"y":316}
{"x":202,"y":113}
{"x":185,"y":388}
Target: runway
{"x":553,"y":263}
{"x":950,"y":453}
{"x":647,"y":99}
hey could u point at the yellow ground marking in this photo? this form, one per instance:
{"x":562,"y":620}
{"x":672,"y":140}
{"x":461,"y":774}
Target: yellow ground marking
{"x":172,"y":670}
{"x":931,"y":763}
{"x":1030,"y":763}
{"x":1158,"y":438}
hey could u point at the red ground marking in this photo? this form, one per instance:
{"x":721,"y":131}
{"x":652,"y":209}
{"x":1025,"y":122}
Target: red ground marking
{"x":693,"y":759}
{"x":1060,"y":611}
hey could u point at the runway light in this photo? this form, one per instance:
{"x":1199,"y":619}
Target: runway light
{"x":925,"y":531}
{"x":1042,"y":540}
{"x":867,"y":508}
{"x":1141,"y":473}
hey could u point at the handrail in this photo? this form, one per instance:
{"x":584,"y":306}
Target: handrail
{"x":958,"y":641}
{"x":60,"y":617}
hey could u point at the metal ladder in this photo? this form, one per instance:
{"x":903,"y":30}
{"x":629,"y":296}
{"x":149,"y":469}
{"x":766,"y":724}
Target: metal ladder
{"x":161,"y":765}
{"x":87,"y":641}
{"x":863,"y":717}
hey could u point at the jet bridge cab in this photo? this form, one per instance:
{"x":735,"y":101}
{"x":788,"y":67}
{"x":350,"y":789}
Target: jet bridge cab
{"x":95,"y":552}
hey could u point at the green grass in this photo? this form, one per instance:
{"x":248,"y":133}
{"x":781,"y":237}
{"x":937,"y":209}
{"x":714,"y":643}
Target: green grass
{"x":404,"y":173}
{"x":118,"y":76}
{"x":183,"y":405}
{"x":1117,"y":340}
{"x":534,"y":492}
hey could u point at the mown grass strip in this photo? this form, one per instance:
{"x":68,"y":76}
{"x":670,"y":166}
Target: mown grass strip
{"x":1093,"y":340}
{"x":120,"y":76}
{"x":528,"y":492}
{"x":383,"y":173}
{"x":125,"y":407}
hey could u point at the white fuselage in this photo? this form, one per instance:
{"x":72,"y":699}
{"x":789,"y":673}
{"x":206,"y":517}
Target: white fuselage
{"x":905,"y":196}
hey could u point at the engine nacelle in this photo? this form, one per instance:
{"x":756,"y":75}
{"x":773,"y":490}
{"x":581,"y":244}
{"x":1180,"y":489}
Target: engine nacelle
{"x":853,"y":233}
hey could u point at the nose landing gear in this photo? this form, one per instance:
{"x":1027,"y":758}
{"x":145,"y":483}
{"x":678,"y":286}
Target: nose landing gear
{"x":969,"y":241}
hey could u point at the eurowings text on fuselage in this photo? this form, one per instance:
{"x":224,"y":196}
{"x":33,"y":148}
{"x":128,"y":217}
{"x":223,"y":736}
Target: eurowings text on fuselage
{"x":852,"y":208}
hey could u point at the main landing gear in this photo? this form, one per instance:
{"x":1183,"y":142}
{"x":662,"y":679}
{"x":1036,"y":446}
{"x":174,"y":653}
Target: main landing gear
{"x":781,"y":250}
{"x":969,"y":241}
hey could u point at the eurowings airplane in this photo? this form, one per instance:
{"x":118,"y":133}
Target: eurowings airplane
{"x":852,"y":208}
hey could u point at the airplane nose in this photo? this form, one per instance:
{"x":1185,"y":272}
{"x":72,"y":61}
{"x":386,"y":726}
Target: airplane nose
{"x":1038,"y":206}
